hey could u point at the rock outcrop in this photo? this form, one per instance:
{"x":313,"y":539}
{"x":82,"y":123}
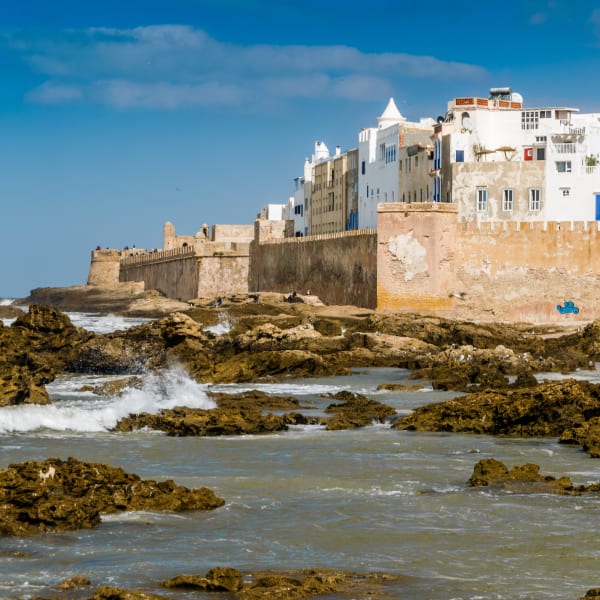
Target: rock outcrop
{"x":34,"y":349}
{"x":525,"y":479}
{"x":544,"y":410}
{"x":55,"y":495}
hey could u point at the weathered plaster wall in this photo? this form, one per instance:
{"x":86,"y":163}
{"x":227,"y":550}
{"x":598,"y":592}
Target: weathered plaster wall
{"x":340,"y":268}
{"x":414,"y":256}
{"x":521,"y":272}
{"x":104,"y":268}
{"x":430,"y":263}
{"x":493,"y":176}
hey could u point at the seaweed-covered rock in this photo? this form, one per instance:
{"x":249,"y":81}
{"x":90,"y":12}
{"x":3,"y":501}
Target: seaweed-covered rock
{"x":545,"y":410}
{"x":524,"y":479}
{"x":356,"y":410}
{"x":56,"y":495}
{"x":184,"y":421}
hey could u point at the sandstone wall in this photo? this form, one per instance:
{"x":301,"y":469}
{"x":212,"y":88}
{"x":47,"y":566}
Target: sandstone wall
{"x":428,"y":262}
{"x":233,"y":233}
{"x":172,"y":272}
{"x":340,"y":268}
{"x":222,"y":276}
{"x":104,"y":268}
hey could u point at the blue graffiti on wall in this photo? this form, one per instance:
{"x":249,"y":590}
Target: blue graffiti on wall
{"x":569,"y":307}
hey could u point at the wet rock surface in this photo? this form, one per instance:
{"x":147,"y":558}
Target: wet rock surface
{"x":566,"y":409}
{"x":56,"y":495}
{"x":356,"y":410}
{"x":34,"y":348}
{"x":243,"y":414}
{"x":288,"y":584}
{"x":525,"y":479}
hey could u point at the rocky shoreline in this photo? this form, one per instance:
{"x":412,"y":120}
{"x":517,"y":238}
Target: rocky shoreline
{"x":493,"y":368}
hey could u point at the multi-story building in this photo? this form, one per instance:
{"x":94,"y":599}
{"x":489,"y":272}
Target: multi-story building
{"x":379,"y":166}
{"x":500,"y":161}
{"x":415,"y":165}
{"x":294,"y":209}
{"x":351,"y":185}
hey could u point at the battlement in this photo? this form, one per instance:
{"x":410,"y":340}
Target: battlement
{"x":529,"y":226}
{"x":322,"y":236}
{"x":156,"y":256}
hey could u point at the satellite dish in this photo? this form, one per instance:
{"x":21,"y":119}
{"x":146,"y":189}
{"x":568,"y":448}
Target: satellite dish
{"x":441,"y":119}
{"x":467,"y":125}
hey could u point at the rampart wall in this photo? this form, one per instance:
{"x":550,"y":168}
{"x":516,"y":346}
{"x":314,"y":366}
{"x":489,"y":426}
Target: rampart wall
{"x":184,"y":274}
{"x":172,"y":272}
{"x":430,"y":263}
{"x":340,"y":268}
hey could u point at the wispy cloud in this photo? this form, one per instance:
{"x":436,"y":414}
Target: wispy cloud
{"x":171,"y":66}
{"x":595,"y":22}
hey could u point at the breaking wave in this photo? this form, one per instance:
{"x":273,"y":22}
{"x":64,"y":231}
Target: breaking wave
{"x":71,"y":411}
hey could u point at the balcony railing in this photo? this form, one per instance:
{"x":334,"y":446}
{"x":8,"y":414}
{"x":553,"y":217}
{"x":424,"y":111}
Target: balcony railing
{"x":592,"y":170}
{"x":565,"y":148}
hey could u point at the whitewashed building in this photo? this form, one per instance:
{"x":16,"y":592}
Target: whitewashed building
{"x":499,"y":160}
{"x":378,"y":165}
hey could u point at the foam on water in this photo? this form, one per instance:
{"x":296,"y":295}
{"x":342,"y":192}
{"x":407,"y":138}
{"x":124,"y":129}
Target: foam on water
{"x":104,"y":323}
{"x":6,"y":301}
{"x":82,"y":414}
{"x":221,"y":328}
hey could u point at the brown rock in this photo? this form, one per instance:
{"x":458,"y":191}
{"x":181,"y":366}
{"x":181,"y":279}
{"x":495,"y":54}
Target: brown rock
{"x":184,"y":421}
{"x":58,"y":495}
{"x":73,"y":582}
{"x":219,"y":579}
{"x":108,"y":592}
{"x":524,"y":478}
{"x":542,"y":411}
{"x":356,"y":410}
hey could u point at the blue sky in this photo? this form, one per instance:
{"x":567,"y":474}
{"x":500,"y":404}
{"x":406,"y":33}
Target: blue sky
{"x":118,"y":115}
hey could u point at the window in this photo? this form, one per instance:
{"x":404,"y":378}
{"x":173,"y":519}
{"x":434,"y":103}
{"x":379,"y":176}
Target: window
{"x":540,"y":154}
{"x":381,"y":151}
{"x":530,"y":119}
{"x":563,"y":166}
{"x":460,"y":156}
{"x":534,"y":199}
{"x":481,"y":199}
{"x":507,"y":200}
{"x":362,"y":167}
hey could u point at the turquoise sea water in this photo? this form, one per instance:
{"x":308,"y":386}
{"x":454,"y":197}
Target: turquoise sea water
{"x":373,"y":499}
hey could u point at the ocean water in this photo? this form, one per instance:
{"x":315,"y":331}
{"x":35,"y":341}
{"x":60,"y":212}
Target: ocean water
{"x":368,"y":500}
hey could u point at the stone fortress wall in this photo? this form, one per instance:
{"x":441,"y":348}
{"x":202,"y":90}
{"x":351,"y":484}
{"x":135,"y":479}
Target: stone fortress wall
{"x":420,"y":258}
{"x":428,"y":262}
{"x":339,"y":268}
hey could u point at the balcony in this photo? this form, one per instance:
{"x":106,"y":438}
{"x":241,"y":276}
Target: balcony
{"x":565,"y":148}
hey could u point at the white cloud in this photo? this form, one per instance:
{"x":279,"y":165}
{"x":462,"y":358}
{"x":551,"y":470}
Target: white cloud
{"x":167,"y":66}
{"x":55,"y":93}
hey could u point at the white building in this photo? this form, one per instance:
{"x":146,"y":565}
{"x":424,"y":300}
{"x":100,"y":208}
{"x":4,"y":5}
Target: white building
{"x":272,"y":212}
{"x":294,"y":210}
{"x":378,"y":167}
{"x":501,"y":161}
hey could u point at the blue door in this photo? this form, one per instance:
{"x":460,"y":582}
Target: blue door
{"x":597,"y":207}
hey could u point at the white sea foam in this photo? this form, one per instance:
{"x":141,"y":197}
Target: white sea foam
{"x":104,"y":323}
{"x":6,"y":301}
{"x":84,"y":414}
{"x":221,"y":328}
